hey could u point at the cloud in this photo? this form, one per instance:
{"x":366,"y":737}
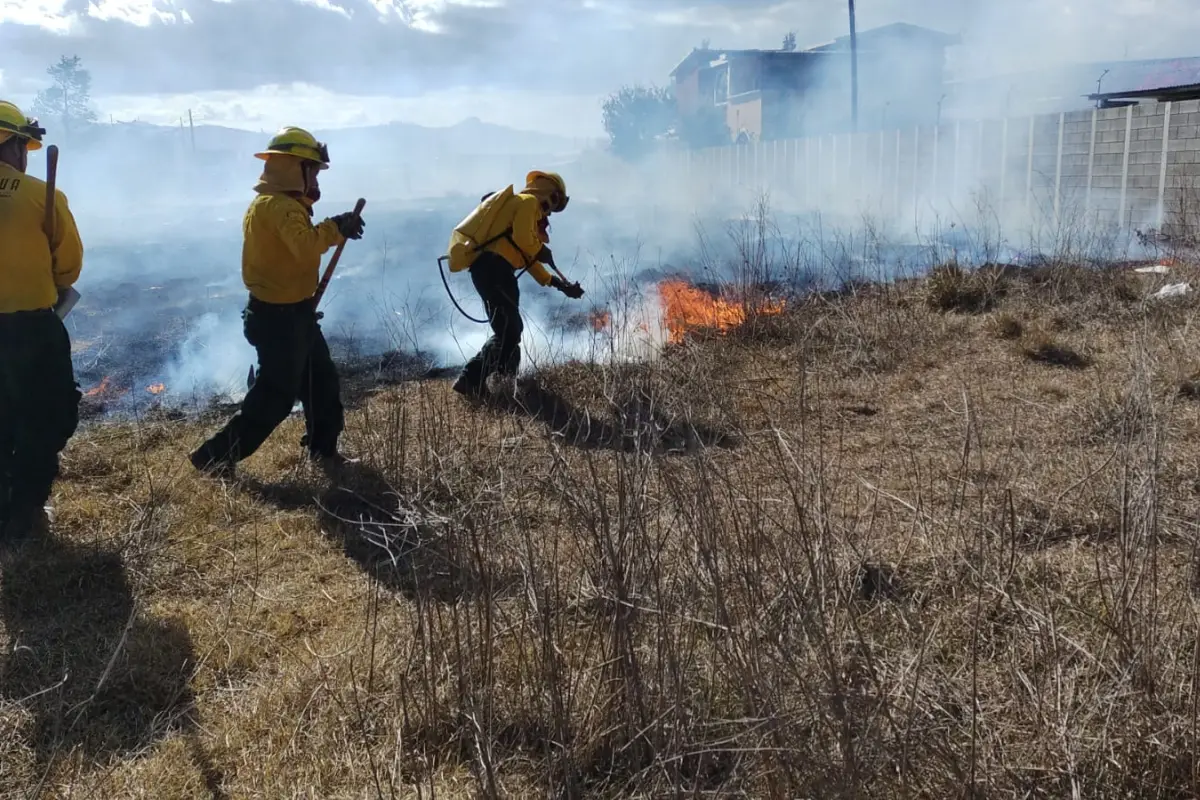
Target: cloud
{"x":394,"y":46}
{"x":510,"y":56}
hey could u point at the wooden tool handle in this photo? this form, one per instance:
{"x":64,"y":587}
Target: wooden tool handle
{"x":337,"y":254}
{"x":51,"y":178}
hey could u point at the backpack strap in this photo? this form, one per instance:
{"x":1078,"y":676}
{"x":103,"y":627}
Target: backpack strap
{"x":505,"y":234}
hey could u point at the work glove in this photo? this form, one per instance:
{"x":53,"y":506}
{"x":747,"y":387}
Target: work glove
{"x":349,"y":225}
{"x":571,"y":290}
{"x":545,"y":256}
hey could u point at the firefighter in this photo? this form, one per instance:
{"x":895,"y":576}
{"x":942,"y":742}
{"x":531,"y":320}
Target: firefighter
{"x":281,"y":259}
{"x":39,"y":399}
{"x":512,"y":232}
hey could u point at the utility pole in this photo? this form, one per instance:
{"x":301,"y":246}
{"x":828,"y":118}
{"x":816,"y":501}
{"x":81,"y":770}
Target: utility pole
{"x":192,"y":129}
{"x":1099,"y":102}
{"x":853,"y":70}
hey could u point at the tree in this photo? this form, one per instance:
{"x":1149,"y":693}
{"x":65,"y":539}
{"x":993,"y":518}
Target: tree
{"x":789,"y":42}
{"x":635,"y":117}
{"x":69,"y":100}
{"x":707,"y":127}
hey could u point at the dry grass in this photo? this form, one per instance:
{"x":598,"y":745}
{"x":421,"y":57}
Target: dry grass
{"x":950,"y":287}
{"x":873,"y":550}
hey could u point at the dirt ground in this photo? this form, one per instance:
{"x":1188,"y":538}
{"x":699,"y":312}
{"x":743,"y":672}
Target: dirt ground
{"x":925,"y":540}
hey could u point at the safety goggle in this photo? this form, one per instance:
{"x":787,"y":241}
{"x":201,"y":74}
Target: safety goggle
{"x":288,"y":147}
{"x":29,"y":130}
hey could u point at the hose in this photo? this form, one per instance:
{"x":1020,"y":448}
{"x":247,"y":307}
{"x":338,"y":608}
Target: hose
{"x":446,"y":283}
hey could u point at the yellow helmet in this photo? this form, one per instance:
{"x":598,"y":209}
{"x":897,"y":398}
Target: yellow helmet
{"x":293,"y":141}
{"x":558,"y":193}
{"x":13,"y":122}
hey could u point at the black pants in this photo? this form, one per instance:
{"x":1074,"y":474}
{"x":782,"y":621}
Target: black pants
{"x":496,"y":283}
{"x":293,"y":364}
{"x":39,"y":406}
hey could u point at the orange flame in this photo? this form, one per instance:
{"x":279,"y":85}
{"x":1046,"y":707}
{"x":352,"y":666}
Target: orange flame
{"x":99,"y":389}
{"x":105,"y":389}
{"x":600,"y":319}
{"x":686,"y":308}
{"x":156,"y":388}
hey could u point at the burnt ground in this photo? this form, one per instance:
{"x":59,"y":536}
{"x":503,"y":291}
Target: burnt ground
{"x":133,"y":324}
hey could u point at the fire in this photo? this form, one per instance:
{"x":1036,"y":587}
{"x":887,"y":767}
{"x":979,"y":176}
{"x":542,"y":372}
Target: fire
{"x":156,"y":388}
{"x":600,"y":319}
{"x":686,"y":308}
{"x":99,"y":389}
{"x":106,"y":390}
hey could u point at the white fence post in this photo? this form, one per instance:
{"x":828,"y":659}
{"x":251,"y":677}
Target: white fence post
{"x":879,"y":179}
{"x":856,"y":167}
{"x":1087,"y":202}
{"x":957,"y":141}
{"x":1003,"y":162}
{"x":979,"y":153}
{"x":833,"y":165}
{"x":818,"y":168}
{"x":1125,"y":163}
{"x":808,"y":172}
{"x":1162,"y":166}
{"x":934,"y":171}
{"x":1062,"y":121}
{"x":916,"y":169}
{"x":896,"y":202}
{"x":1029,"y":167}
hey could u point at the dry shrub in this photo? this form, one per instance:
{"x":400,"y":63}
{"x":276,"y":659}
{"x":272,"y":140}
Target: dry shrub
{"x":1113,"y":415}
{"x":1098,"y":289}
{"x":950,"y":287}
{"x":1189,"y":387}
{"x":1041,"y":348}
{"x":1005,"y":326}
{"x":873,"y":330}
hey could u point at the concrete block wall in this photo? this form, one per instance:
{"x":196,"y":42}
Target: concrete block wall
{"x":1133,"y":166}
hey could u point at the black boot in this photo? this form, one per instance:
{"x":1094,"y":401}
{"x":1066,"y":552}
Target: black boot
{"x":213,"y":467}
{"x":470,"y":389}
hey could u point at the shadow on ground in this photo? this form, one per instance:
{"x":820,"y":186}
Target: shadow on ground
{"x":97,"y":676}
{"x":415,"y":553}
{"x":640,"y":424}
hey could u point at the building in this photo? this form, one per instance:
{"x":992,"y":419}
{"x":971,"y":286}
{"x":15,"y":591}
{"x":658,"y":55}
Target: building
{"x":772,"y":94}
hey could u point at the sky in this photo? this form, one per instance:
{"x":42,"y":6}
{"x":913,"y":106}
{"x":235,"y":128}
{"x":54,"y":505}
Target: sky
{"x":528,"y":64}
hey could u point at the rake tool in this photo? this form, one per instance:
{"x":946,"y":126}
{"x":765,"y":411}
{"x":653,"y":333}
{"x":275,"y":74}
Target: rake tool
{"x":252,"y":377}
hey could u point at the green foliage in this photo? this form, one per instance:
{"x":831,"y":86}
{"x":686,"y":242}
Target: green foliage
{"x":705,"y":128}
{"x":636,"y":116}
{"x":69,"y":99}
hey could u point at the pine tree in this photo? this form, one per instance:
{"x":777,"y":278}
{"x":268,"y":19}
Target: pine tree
{"x":69,"y":99}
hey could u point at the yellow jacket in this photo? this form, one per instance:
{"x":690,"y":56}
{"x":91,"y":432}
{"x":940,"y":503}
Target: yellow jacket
{"x":523,"y":213}
{"x":31,"y":269}
{"x":281,"y":248}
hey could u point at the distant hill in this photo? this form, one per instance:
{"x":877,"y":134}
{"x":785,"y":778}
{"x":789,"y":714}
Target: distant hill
{"x":160,"y":168}
{"x":469,"y":137}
